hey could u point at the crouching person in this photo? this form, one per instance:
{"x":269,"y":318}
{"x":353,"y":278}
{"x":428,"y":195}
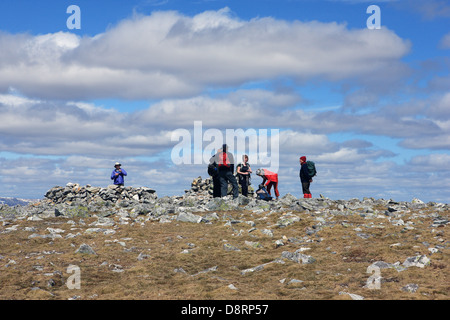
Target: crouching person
{"x":271,"y":178}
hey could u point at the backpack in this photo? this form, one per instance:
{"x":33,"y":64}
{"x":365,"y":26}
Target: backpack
{"x":311,"y":168}
{"x":263,"y":194}
{"x":224,"y":163}
{"x":243,"y":169}
{"x":212,"y":169}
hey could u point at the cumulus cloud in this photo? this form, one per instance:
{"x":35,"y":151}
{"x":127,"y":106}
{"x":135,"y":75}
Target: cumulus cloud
{"x":42,"y":127}
{"x":84,"y":140}
{"x":167,"y":54}
{"x":445,"y":41}
{"x":178,"y":61}
{"x":432,"y":162}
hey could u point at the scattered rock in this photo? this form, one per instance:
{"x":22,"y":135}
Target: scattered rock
{"x":411,"y":287}
{"x":205,"y":271}
{"x":352,"y":295}
{"x":298,"y":257}
{"x":232,"y":287}
{"x":295,"y":281}
{"x":229,"y":247}
{"x":260,"y":267}
{"x":253,"y":244}
{"x":86,"y":249}
{"x":417,"y":261}
{"x":142,"y":256}
{"x":116,"y":268}
{"x":189,"y":217}
{"x":179,"y":270}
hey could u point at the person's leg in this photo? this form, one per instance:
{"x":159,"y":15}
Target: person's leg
{"x":223,"y":184}
{"x":268,"y":187}
{"x":306,"y":192}
{"x":216,"y":187}
{"x":275,"y":187}
{"x":235,"y":189}
{"x":244,"y":186}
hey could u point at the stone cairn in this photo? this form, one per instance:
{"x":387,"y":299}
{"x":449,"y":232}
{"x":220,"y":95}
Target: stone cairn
{"x":74,"y":193}
{"x":204,"y":188}
{"x":201,"y":187}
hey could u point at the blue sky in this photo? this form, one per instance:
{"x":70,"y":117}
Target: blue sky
{"x":370,"y":107}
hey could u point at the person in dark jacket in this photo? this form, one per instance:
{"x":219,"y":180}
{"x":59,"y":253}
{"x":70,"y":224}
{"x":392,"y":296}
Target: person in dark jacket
{"x":215,"y":175}
{"x":305,"y":178}
{"x":118,"y":174}
{"x":243,"y":171}
{"x":226,"y":169}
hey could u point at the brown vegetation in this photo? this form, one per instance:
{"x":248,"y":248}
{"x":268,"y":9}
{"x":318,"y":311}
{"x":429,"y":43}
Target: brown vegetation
{"x":36,"y":268}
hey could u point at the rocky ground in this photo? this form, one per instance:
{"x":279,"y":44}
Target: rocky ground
{"x":84,"y":242}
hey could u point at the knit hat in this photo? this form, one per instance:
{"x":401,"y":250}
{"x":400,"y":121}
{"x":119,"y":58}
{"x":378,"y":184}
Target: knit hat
{"x":303,"y":158}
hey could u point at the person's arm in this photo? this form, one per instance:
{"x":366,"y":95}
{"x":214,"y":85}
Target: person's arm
{"x":264,"y":179}
{"x":113,"y":174}
{"x":123,"y":172}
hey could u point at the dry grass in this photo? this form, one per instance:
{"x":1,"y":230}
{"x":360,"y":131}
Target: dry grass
{"x":341,"y":262}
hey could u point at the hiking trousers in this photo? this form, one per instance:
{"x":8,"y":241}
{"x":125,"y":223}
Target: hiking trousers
{"x":216,"y":186}
{"x":226,"y":176}
{"x":244,"y":184}
{"x":275,"y":188}
{"x":305,"y":187}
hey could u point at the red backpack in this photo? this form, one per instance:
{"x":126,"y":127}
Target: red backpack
{"x":224,"y":162}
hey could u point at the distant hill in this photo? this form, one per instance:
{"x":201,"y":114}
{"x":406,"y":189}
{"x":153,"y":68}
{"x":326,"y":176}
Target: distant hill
{"x":15,"y":201}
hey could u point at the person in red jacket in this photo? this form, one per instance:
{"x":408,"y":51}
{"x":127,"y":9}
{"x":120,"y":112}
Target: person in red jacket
{"x":271,"y":178}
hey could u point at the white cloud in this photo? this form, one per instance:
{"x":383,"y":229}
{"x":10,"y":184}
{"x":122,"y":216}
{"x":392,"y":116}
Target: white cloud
{"x":168,"y":54}
{"x":78,"y":128}
{"x":445,"y":41}
{"x":432,"y":162}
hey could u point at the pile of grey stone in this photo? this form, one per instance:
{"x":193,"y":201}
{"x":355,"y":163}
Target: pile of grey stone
{"x":84,"y":195}
{"x":204,"y":188}
{"x":201,"y":187}
{"x":198,"y":205}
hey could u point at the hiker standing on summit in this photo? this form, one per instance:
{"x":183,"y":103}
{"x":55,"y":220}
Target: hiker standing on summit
{"x":305,"y":178}
{"x":213,"y":171}
{"x":118,"y":174}
{"x":243,"y":172}
{"x":225,"y":167}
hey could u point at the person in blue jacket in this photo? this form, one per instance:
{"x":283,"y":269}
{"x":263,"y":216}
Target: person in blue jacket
{"x":118,"y":174}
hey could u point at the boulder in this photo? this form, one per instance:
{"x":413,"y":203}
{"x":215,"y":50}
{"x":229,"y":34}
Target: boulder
{"x":86,"y":249}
